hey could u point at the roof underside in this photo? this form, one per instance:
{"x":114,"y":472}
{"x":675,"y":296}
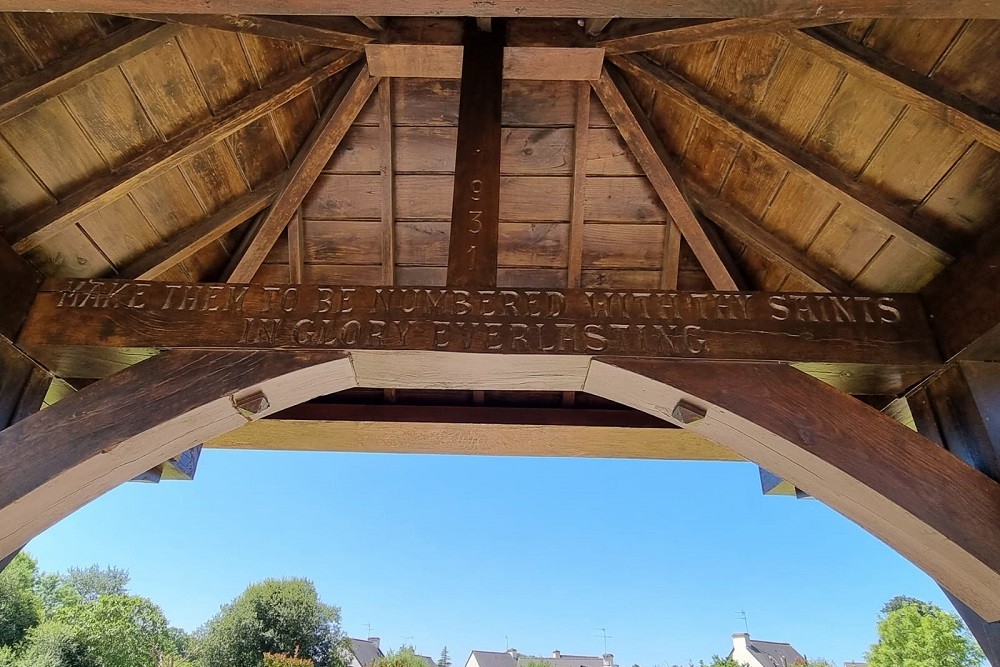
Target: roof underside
{"x":931,"y":171}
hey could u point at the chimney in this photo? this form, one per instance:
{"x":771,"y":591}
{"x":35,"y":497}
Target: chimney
{"x":512,"y":652}
{"x":609,"y":660}
{"x":556,"y":654}
{"x":374,"y":640}
{"x":740,"y":642}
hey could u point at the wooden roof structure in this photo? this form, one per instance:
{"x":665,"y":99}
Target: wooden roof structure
{"x":702,"y":229}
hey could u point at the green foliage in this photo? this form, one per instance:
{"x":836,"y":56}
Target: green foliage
{"x":918,"y":634}
{"x":404,"y":657}
{"x":815,"y":662}
{"x":54,"y":593}
{"x":119,"y":630}
{"x":278,"y":660}
{"x":534,"y":663}
{"x":55,"y":644}
{"x":273,"y":616}
{"x":20,"y":607}
{"x":93,"y":582}
{"x":444,"y":660}
{"x":721,"y":662}
{"x":901,"y":601}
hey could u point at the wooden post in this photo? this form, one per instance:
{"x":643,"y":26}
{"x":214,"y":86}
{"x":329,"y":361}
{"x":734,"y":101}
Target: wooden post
{"x":475,"y":209}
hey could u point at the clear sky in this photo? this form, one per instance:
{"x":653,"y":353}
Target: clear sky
{"x":471,"y":552}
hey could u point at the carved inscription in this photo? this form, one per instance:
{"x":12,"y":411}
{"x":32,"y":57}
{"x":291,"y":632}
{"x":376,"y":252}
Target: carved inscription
{"x":653,"y":323}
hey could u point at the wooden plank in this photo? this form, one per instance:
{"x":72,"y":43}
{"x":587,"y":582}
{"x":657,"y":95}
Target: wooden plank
{"x":138,"y":419}
{"x":200,"y":235}
{"x":387,"y":170}
{"x":99,"y":322}
{"x":595,"y":26}
{"x":773,"y":248}
{"x":296,"y":248}
{"x":475,"y":208}
{"x":924,"y":234}
{"x":633,"y":36}
{"x":98,"y":193}
{"x":581,"y":139}
{"x":919,"y":91}
{"x":963,"y":302}
{"x":922,"y":501}
{"x":671,"y":266}
{"x":301,"y":174}
{"x":373,"y":22}
{"x":430,"y":61}
{"x":834,"y":10}
{"x":652,"y":156}
{"x":29,"y":91}
{"x":18,"y":283}
{"x":336,"y":33}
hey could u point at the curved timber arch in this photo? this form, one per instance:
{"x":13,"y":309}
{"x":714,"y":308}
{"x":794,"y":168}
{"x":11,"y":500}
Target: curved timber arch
{"x":923,"y":501}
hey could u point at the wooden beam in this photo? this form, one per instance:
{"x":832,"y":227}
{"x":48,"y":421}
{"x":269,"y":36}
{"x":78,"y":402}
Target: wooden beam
{"x":302,"y":173}
{"x":296,"y":248}
{"x":670,"y":269}
{"x":85,"y":328}
{"x":388,"y":172}
{"x":27,"y":233}
{"x":923,"y":233}
{"x":139,"y":418}
{"x":918,"y":91}
{"x":931,"y":507}
{"x":834,"y":10}
{"x":18,"y":283}
{"x":595,"y":27}
{"x":581,"y":133}
{"x":652,"y":156}
{"x":475,"y":207}
{"x":373,"y":22}
{"x":722,"y":249}
{"x":335,"y":33}
{"x":534,"y":63}
{"x":633,"y":36}
{"x":775,"y":250}
{"x":964,"y":303}
{"x":202,"y":234}
{"x":29,"y":91}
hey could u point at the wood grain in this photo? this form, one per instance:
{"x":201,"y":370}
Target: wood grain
{"x":581,"y":145}
{"x":520,"y":62}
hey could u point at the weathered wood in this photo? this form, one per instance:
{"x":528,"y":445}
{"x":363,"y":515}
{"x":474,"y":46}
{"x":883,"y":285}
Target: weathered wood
{"x":296,"y":248}
{"x":520,"y":62}
{"x":931,"y":507}
{"x":924,"y":234}
{"x":49,"y":470}
{"x":652,"y":156}
{"x":475,"y":208}
{"x":722,"y":249}
{"x":301,"y":174}
{"x":581,"y":139}
{"x":387,"y":170}
{"x":963,"y":302}
{"x":633,"y":36}
{"x":77,"y":326}
{"x":28,"y":233}
{"x":337,"y":33}
{"x":595,"y":26}
{"x":373,"y":22}
{"x":774,"y":249}
{"x":671,"y":269}
{"x":29,"y":91}
{"x":18,"y":283}
{"x":201,"y":234}
{"x":834,"y":10}
{"x":919,"y":91}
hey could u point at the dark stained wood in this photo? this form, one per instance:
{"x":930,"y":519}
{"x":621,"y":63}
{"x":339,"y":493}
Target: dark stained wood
{"x":963,"y":302}
{"x":373,"y":22}
{"x":725,"y":253}
{"x":103,"y":323}
{"x":475,"y":208}
{"x":296,"y":248}
{"x":672,"y":242}
{"x":918,"y":91}
{"x":922,"y":501}
{"x":387,"y":170}
{"x":633,"y":36}
{"x":18,"y":283}
{"x":302,"y":173}
{"x":97,"y":193}
{"x":581,"y":142}
{"x":193,"y":239}
{"x":652,"y":156}
{"x":78,"y":66}
{"x":774,"y":249}
{"x":185,"y":397}
{"x":336,"y":33}
{"x":923,"y":233}
{"x":595,"y":26}
{"x":834,"y":10}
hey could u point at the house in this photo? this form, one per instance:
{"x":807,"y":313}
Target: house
{"x":757,"y":653}
{"x":511,"y":658}
{"x":429,"y":660}
{"x":364,"y":652}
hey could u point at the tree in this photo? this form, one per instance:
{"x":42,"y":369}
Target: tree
{"x":273,"y":616}
{"x":728,"y":661}
{"x":54,"y":644}
{"x":119,"y":630}
{"x":20,"y":607}
{"x":93,"y":582}
{"x":920,"y":634}
{"x":404,"y":657}
{"x":444,"y":660}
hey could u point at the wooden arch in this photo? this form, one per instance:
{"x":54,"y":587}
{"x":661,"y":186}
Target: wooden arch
{"x":915,"y":496}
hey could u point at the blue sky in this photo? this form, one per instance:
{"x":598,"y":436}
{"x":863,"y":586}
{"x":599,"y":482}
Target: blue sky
{"x":470,"y":551}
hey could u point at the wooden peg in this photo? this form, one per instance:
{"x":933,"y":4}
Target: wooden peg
{"x":251,"y":404}
{"x":688,"y":413}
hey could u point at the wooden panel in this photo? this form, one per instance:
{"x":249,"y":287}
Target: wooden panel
{"x":622,"y":246}
{"x":520,"y":62}
{"x":970,"y":65}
